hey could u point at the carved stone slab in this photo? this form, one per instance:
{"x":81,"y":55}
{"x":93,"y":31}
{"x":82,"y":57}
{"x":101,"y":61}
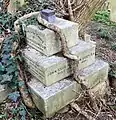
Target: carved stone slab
{"x":52,"y":69}
{"x":47,"y":42}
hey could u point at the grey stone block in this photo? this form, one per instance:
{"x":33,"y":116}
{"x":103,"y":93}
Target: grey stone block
{"x":47,"y":41}
{"x":94,"y":74}
{"x":50,"y":100}
{"x":52,"y":69}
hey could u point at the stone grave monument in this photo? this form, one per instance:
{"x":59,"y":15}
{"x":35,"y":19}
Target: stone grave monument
{"x":4,"y":91}
{"x":52,"y":85}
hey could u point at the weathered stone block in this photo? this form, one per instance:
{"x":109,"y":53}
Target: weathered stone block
{"x":50,"y":100}
{"x":47,"y":42}
{"x":3,"y":93}
{"x":94,"y":74}
{"x":52,"y":69}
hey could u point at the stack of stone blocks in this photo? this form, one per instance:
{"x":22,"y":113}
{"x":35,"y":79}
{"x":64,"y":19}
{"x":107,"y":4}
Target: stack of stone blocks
{"x":52,"y":85}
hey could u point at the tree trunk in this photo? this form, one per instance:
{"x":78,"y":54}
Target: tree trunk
{"x":83,"y":10}
{"x":84,"y":14}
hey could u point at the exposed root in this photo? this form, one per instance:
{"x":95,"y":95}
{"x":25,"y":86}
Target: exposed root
{"x":23,"y":88}
{"x":78,"y":109}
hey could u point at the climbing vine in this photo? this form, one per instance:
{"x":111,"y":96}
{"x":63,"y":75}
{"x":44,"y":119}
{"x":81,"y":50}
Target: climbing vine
{"x":10,"y":69}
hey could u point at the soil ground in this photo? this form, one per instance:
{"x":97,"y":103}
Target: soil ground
{"x":104,"y":45}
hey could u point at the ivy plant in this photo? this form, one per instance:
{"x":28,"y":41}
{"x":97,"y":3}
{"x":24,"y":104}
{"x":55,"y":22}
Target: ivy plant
{"x":8,"y":71}
{"x":8,"y":68}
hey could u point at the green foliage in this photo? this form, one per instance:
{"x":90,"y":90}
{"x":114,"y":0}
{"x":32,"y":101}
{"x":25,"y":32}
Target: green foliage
{"x":33,"y":21}
{"x":7,"y":21}
{"x":9,"y":75}
{"x":14,"y":96}
{"x":2,"y":68}
{"x":8,"y":71}
{"x":113,"y":47}
{"x":104,"y":17}
{"x":104,"y":33}
{"x":19,"y":112}
{"x":112,"y":72}
{"x":3,"y":116}
{"x":107,"y":29}
{"x":8,"y":68}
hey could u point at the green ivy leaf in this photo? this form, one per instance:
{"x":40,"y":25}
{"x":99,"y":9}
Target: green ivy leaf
{"x":6,"y":79}
{"x":113,"y":47}
{"x":12,"y":68}
{"x":2,"y":68}
{"x":23,"y":118}
{"x":21,"y":83}
{"x":14,"y":96}
{"x":2,"y":116}
{"x":22,"y":112}
{"x":14,"y":111}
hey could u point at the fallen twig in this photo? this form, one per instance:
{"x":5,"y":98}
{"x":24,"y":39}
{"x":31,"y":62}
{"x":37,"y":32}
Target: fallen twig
{"x":70,"y":11}
{"x":78,"y":109}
